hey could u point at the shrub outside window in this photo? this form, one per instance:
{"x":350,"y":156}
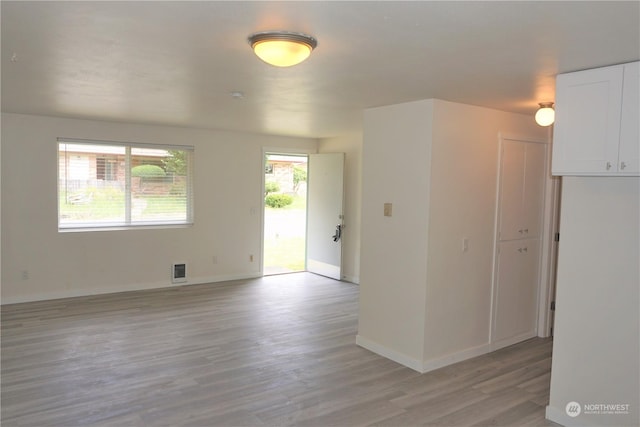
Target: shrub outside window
{"x":116,"y":185}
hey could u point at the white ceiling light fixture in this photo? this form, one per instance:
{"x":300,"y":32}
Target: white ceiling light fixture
{"x":546,"y":115}
{"x":282,"y":48}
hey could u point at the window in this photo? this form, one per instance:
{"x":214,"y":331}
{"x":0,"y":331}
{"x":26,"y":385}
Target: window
{"x":105,"y":184}
{"x":107,"y":168}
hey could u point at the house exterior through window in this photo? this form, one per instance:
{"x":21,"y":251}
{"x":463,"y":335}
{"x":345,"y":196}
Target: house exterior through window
{"x":104,"y":184}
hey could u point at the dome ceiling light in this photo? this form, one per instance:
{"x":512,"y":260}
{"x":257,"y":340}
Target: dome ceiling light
{"x":546,"y":115}
{"x":282,"y":48}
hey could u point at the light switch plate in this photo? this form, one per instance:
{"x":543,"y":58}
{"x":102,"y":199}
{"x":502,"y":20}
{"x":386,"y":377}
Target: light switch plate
{"x":388,"y":209}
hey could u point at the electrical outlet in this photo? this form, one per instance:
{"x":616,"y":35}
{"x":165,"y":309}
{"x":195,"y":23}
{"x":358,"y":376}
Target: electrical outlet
{"x":214,"y":259}
{"x":465,"y":244}
{"x":25,"y":274}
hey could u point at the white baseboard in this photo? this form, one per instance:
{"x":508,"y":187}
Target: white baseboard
{"x":351,"y":279}
{"x":70,"y":293}
{"x":442,"y":361}
{"x":459,"y":356}
{"x":513,"y":340}
{"x":383,"y":351}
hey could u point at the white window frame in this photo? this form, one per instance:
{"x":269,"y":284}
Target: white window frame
{"x":128,"y":224}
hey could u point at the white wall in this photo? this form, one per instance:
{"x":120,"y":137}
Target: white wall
{"x":228,"y":201}
{"x":0,"y":206}
{"x":423,"y":302}
{"x":395,"y":169}
{"x":597,"y":334}
{"x":351,"y":145}
{"x":463,"y":205}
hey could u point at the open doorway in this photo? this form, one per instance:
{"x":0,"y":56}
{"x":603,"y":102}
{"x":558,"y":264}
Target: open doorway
{"x":285,"y":213}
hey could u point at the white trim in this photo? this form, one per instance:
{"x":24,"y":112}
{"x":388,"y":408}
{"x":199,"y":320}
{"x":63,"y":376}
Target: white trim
{"x":496,"y":242}
{"x":122,"y":227}
{"x":351,"y":279}
{"x":524,"y":138}
{"x":71,"y":293}
{"x":145,"y":145}
{"x":548,"y":258}
{"x":442,"y":361}
{"x":450,"y":359}
{"x":513,"y":340}
{"x":459,"y":356}
{"x":546,"y":264}
{"x":390,"y":354}
{"x":288,"y":151}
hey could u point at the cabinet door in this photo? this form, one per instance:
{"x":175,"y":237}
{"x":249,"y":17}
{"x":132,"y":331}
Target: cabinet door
{"x":516,"y":299}
{"x":534,"y":173}
{"x":587,"y":129}
{"x":511,"y":187}
{"x":629,"y":157}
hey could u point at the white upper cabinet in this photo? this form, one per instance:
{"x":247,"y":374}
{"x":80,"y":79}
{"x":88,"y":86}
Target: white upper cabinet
{"x":629,"y":156}
{"x":596,"y":129}
{"x":521,"y":189}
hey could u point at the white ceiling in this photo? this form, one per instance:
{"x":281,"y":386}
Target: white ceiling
{"x":178,"y":62}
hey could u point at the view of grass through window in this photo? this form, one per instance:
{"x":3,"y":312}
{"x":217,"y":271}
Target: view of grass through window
{"x":103,"y":185}
{"x":285,"y":213}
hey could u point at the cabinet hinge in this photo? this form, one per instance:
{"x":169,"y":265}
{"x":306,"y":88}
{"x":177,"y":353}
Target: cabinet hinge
{"x":553,"y":306}
{"x":557,"y":237}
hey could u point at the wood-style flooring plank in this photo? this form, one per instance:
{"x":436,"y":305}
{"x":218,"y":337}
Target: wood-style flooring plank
{"x":274,"y":351}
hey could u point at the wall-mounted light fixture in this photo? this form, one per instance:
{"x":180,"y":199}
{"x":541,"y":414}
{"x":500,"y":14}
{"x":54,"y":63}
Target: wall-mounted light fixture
{"x":545,"y":116}
{"x":282,"y":48}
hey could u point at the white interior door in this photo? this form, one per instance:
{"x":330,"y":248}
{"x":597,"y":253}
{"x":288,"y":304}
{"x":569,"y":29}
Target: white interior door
{"x":520,"y":205}
{"x":516,"y":290}
{"x":324,"y":214}
{"x":511,"y":193}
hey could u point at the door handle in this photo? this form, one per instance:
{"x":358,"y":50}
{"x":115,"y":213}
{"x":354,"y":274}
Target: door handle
{"x":338,"y":234}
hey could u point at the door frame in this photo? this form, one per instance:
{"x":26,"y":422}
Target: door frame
{"x":549,"y":261}
{"x":277,"y":151}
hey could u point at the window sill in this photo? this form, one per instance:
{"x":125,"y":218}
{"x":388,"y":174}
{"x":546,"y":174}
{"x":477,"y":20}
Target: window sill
{"x":90,"y":228}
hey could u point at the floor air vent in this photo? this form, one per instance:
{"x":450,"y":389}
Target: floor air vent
{"x":178,"y":273}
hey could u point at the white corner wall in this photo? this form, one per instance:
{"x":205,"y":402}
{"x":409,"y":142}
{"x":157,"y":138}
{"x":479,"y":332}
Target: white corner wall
{"x":228,"y":201}
{"x":423,"y":302}
{"x":351,"y":145}
{"x":597,"y":328}
{"x":395,"y":169}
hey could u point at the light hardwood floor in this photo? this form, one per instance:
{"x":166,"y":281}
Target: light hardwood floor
{"x":274,"y":351}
